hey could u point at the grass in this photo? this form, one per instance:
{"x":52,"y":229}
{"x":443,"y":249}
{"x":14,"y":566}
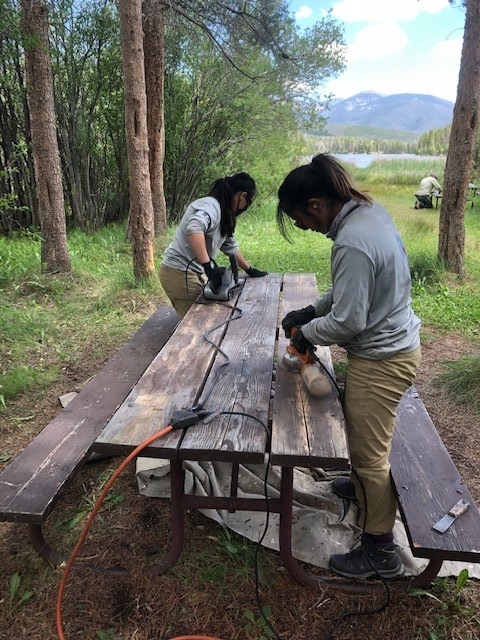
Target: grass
{"x":48,"y":322}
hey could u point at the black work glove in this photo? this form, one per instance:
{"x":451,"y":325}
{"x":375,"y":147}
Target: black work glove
{"x":300,"y":316}
{"x":299,"y":342}
{"x":214,"y":274}
{"x":255,"y":273}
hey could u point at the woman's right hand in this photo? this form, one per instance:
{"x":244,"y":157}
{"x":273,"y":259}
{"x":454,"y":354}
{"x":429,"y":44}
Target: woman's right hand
{"x":214,"y":274}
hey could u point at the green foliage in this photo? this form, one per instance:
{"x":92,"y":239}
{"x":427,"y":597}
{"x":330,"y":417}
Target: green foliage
{"x":39,"y":314}
{"x":231,"y":120}
{"x":231,"y":557}
{"x":87,"y":71}
{"x":462,"y":379}
{"x":435,"y":142}
{"x":15,"y":597}
{"x":89,"y":501}
{"x":20,"y":256}
{"x":447,"y":593}
{"x":356,"y":140}
{"x":230,"y":105}
{"x":426,"y":269}
{"x":258,"y":624}
{"x":401,"y":172}
{"x":19,"y":380}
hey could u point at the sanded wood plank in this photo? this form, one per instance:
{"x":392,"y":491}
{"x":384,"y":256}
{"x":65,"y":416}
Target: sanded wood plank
{"x":32,"y":483}
{"x":428,"y":484}
{"x":244,"y":384}
{"x":312,"y":429}
{"x":173,"y":381}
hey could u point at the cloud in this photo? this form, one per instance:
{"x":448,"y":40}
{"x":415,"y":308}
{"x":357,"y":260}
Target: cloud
{"x":384,"y":10}
{"x":377,"y":41}
{"x":438,"y":77}
{"x":303,"y":12}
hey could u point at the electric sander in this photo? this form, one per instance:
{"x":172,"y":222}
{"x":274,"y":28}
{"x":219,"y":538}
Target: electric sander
{"x":317,"y":381}
{"x":229,"y":286}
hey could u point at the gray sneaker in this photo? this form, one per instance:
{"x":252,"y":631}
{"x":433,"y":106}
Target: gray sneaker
{"x":344,"y":488}
{"x":368,"y":560}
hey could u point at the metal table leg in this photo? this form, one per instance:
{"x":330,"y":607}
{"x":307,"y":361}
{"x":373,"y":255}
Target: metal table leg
{"x":178,"y":519}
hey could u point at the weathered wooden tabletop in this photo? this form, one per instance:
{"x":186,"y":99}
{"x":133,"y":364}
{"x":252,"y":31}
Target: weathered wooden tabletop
{"x":252,"y":383}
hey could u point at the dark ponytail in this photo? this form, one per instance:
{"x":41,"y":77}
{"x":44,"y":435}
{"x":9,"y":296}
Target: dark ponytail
{"x":323,"y":177}
{"x":223,"y":190}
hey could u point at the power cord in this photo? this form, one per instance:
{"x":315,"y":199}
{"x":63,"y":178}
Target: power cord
{"x":91,"y":517}
{"x":265,"y":619}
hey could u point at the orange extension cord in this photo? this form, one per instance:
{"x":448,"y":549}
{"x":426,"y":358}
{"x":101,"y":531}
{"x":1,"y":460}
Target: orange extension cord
{"x":88,"y":523}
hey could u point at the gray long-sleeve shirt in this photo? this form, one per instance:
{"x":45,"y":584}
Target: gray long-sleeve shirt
{"x":201,"y":216}
{"x":367,"y":310}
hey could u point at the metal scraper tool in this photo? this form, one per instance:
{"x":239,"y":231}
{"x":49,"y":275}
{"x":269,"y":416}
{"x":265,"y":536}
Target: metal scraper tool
{"x":444,"y":523}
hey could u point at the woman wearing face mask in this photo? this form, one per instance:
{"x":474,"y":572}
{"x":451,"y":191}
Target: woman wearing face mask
{"x":207,"y":227}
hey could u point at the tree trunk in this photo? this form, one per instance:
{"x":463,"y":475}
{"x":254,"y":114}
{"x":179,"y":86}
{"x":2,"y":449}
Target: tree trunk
{"x":451,"y":245}
{"x":141,"y":208}
{"x":46,"y":157}
{"x":154,"y":49}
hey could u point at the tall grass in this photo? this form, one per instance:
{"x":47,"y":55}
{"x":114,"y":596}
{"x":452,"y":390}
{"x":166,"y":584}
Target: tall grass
{"x":404,"y":172}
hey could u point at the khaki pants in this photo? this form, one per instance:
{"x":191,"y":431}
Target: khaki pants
{"x":181,"y":287}
{"x":373,"y":390}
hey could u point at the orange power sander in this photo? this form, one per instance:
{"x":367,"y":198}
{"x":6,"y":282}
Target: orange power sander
{"x":315,"y":379}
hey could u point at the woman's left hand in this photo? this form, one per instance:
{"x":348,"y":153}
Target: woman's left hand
{"x":255,"y":273}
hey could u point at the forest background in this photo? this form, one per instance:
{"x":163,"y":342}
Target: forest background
{"x":247,"y":110}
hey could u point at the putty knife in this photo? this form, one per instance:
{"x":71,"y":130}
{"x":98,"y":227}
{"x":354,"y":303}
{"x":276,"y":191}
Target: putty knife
{"x":444,"y":523}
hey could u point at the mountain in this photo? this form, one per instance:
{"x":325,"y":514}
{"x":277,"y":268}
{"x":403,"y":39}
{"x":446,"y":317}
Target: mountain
{"x":412,"y":113}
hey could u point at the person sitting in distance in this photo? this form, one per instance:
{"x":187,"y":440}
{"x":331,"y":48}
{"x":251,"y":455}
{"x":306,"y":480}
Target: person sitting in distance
{"x":428,"y":187}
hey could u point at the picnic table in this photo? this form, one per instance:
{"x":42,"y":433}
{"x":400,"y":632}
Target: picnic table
{"x":473,"y":190}
{"x":224,"y":359}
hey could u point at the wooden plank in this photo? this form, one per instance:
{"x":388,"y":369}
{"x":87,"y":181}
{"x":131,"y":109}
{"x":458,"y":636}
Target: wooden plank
{"x":307,"y":429}
{"x":173,"y":381}
{"x":32,"y":483}
{"x":428,"y":484}
{"x":244,"y":384}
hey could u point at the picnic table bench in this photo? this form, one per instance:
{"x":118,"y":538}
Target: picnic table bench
{"x":33,"y":482}
{"x":263,"y":414}
{"x":428,"y":485}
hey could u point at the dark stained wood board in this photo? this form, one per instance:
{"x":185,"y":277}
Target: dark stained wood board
{"x":306,"y":429}
{"x":244,"y":384}
{"x":33,"y":482}
{"x":173,"y":381}
{"x":428,"y":484}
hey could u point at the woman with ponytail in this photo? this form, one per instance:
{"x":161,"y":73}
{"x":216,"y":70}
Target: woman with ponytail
{"x":367,"y":312}
{"x":207,"y":227}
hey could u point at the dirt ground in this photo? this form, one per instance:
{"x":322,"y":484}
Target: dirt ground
{"x":212,"y":590}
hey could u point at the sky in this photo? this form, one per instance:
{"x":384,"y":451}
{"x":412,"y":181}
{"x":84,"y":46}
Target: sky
{"x":393,"y":46}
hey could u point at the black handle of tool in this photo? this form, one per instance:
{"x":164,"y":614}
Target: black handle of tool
{"x":234,"y":267}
